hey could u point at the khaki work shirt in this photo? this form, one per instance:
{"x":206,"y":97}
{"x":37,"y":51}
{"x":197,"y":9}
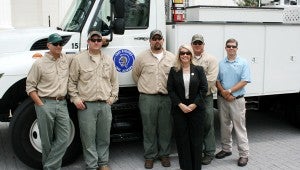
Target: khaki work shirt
{"x":49,"y":77}
{"x":150,"y":74}
{"x":93,"y":78}
{"x":211,"y":69}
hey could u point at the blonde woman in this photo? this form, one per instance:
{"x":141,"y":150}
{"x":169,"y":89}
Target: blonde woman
{"x":187,"y":87}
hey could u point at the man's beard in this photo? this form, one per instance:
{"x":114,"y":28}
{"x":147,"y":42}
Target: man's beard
{"x":157,"y":46}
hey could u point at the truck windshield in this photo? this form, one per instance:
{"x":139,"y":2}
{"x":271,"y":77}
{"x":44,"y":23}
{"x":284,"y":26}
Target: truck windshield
{"x":77,"y":15}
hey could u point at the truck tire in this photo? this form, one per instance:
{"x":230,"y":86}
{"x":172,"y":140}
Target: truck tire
{"x":294,"y":116}
{"x":25,"y":136}
{"x":292,"y":110}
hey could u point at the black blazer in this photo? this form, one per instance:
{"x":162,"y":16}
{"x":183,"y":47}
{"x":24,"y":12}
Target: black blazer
{"x":197,"y":89}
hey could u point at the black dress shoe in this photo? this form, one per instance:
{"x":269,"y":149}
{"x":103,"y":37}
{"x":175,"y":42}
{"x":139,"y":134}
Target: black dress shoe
{"x":222,"y":154}
{"x":242,"y":161}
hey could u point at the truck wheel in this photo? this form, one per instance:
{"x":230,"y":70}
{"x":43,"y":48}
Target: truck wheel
{"x":25,"y":137}
{"x":293,"y":109}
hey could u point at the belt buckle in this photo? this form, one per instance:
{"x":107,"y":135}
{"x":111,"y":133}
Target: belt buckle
{"x":58,"y":98}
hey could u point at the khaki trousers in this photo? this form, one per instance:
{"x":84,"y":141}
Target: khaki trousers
{"x":233,"y":116}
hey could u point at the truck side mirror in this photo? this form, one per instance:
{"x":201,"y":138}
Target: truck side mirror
{"x":118,"y":26}
{"x":118,"y":13}
{"x":119,"y":8}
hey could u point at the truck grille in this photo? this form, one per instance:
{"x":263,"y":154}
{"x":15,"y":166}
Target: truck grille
{"x":42,"y":44}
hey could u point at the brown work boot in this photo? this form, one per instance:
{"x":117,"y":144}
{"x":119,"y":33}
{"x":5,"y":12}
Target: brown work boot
{"x":104,"y":167}
{"x":165,"y":161}
{"x":149,"y":163}
{"x":207,"y":159}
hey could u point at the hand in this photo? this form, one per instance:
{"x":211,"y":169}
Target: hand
{"x":40,"y":104}
{"x":80,"y":105}
{"x":184,"y":108}
{"x":109,"y":101}
{"x":192,"y":106}
{"x":230,"y":98}
{"x":225,"y":94}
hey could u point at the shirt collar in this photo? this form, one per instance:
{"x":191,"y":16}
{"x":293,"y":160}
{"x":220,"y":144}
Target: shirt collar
{"x":50,"y":57}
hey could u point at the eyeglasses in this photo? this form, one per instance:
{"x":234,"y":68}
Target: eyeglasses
{"x":58,"y":43}
{"x":231,"y":46}
{"x":156,"y":38}
{"x":197,"y":43}
{"x":185,"y":52}
{"x":98,"y":40}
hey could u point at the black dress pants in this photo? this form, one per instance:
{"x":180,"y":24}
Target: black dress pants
{"x":188,"y":129}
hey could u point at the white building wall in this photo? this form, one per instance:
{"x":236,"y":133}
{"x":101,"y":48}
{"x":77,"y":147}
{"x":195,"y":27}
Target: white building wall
{"x":26,"y":13}
{"x":36,"y":13}
{"x":5,"y":14}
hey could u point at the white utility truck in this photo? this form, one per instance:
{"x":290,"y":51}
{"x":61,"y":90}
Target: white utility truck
{"x":269,"y":39}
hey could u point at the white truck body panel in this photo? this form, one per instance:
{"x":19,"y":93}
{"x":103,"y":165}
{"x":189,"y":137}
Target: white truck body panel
{"x":234,"y":14}
{"x":271,"y":50}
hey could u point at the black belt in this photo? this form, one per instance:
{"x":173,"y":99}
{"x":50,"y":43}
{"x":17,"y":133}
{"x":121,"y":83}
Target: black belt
{"x":95,"y":101}
{"x":55,"y":98}
{"x":240,"y":96}
{"x":160,"y":94}
{"x":237,"y":97}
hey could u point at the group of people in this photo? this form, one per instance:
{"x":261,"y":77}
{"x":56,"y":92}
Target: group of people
{"x":176,"y":95}
{"x":91,"y":81}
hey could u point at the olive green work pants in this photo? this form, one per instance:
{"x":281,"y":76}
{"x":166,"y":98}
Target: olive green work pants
{"x":95,"y":124}
{"x":54,"y":129}
{"x":157,"y":125}
{"x":209,"y":141}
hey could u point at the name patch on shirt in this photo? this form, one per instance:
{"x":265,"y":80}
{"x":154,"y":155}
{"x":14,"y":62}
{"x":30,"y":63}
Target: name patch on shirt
{"x":123,"y":60}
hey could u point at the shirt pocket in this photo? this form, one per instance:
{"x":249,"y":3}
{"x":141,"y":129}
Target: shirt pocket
{"x":87,"y":74}
{"x":49,"y":74}
{"x":149,"y":68}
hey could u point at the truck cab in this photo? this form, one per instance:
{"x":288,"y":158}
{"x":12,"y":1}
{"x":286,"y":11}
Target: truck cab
{"x":269,"y":43}
{"x":125,"y":24}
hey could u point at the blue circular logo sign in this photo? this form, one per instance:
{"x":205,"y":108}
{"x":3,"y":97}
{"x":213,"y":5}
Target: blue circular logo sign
{"x":123,"y":60}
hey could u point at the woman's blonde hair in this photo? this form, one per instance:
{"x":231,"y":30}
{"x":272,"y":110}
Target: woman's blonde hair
{"x":178,"y":64}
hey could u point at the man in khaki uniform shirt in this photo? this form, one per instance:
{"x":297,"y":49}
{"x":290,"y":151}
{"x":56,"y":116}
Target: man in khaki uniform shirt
{"x":93,"y":87}
{"x":211,"y":68}
{"x":46,"y":84}
{"x":150,"y":72}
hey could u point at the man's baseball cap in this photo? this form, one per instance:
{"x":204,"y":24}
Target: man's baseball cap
{"x":197,"y":37}
{"x":155,"y":32}
{"x":54,"y":38}
{"x":92,"y":33}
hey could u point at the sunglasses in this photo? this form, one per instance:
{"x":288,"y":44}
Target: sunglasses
{"x":156,"y":38}
{"x":98,"y":40}
{"x":58,"y":43}
{"x":185,"y":52}
{"x":231,"y":46}
{"x":197,"y":43}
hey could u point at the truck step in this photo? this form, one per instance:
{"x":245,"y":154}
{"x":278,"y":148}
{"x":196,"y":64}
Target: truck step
{"x":252,"y":103}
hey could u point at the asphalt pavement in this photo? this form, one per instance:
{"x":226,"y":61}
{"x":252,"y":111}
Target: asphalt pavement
{"x":274,"y":144}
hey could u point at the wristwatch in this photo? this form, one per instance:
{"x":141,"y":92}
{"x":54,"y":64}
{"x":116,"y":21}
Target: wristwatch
{"x":229,"y":90}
